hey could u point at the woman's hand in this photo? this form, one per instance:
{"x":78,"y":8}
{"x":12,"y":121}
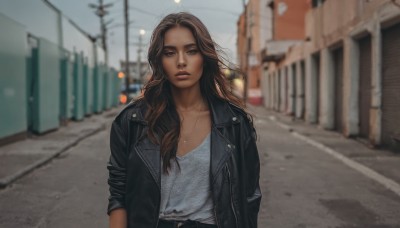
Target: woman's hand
{"x":118,"y":218}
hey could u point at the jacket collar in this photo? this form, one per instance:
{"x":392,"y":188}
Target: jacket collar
{"x":221,"y":113}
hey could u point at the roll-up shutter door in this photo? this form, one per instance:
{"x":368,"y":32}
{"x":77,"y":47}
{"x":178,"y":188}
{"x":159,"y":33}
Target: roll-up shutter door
{"x":294,"y":90}
{"x":391,"y":86}
{"x":364,"y":101}
{"x":278,"y":87}
{"x":303,"y":89}
{"x":317,"y":83}
{"x":338,"y":78}
{"x":286,"y":72}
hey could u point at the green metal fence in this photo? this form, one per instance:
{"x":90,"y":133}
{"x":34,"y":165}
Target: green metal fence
{"x":66,"y":88}
{"x":45,"y":84}
{"x":78,"y":87}
{"x":87,"y":88}
{"x":106,"y":89}
{"x":98,"y":88}
{"x":13,"y":70}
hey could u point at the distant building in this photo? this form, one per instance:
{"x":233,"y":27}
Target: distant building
{"x":135,"y":77}
{"x":265,"y":33}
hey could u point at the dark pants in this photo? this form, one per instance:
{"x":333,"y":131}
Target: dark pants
{"x":184,"y":224}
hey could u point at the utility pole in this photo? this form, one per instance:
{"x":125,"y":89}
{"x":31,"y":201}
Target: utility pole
{"x":139,"y":51}
{"x":246,"y":66}
{"x":127,"y":75}
{"x":101,"y":12}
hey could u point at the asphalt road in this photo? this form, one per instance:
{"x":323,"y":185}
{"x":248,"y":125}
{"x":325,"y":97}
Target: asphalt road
{"x":302,"y":187}
{"x":71,"y":191}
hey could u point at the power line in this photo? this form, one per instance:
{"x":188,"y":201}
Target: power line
{"x":144,"y":11}
{"x":216,"y":10}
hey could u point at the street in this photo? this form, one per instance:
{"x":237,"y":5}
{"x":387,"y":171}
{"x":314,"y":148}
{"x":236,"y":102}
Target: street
{"x":70,"y":191}
{"x":302,"y":187}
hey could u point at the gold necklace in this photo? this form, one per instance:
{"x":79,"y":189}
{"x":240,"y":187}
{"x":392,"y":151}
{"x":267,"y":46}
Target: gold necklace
{"x":197,"y":109}
{"x":186,"y":139}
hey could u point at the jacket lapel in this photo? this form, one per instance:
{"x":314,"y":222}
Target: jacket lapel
{"x":150,"y":155}
{"x":146,"y":150}
{"x":221,"y":148}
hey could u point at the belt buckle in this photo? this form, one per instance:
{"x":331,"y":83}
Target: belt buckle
{"x":179,"y":224}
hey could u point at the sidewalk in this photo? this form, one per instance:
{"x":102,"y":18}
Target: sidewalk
{"x":380,"y":165}
{"x":21,"y":157}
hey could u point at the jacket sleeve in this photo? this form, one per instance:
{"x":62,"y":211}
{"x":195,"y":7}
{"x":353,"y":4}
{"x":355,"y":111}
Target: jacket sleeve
{"x":252,"y":175}
{"x":117,"y":165}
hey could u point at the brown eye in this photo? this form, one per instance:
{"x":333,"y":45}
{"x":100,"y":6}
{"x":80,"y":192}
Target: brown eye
{"x":168,"y":53}
{"x":193,"y":52}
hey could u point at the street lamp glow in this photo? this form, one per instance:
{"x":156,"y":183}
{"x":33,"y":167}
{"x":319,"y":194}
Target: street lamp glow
{"x":142,"y":32}
{"x":177,"y":1}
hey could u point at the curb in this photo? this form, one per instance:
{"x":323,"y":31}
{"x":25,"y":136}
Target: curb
{"x":4,"y":182}
{"x":366,"y":171}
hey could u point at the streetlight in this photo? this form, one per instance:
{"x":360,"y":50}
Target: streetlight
{"x":177,"y":1}
{"x":142,"y":32}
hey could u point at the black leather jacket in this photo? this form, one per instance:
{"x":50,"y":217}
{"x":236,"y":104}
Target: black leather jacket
{"x":135,"y":168}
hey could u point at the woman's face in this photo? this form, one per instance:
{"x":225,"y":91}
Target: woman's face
{"x":181,"y":59}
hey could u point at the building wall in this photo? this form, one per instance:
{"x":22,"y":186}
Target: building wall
{"x":266,"y":25}
{"x":37,"y":16}
{"x":354,"y":20}
{"x":253,"y":34}
{"x":241,"y":41}
{"x":76,"y":41}
{"x":133,"y":70}
{"x":43,"y":20}
{"x":289,"y":21}
{"x":253,"y":25}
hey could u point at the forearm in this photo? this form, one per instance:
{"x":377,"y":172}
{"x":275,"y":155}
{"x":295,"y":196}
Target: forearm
{"x":118,"y":218}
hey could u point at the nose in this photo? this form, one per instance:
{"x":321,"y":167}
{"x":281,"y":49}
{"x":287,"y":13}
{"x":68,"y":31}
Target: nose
{"x":181,"y":60}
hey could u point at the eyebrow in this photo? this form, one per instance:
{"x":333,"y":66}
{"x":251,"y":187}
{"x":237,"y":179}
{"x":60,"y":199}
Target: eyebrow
{"x":174,"y":47}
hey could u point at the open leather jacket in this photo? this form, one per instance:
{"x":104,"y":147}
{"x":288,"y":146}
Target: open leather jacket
{"x":135,"y":168}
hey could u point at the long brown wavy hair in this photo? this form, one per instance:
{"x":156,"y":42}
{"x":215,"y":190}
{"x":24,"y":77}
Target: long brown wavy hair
{"x":161,"y":115}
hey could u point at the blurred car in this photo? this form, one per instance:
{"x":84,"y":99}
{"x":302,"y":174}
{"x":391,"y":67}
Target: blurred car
{"x":134,"y":91}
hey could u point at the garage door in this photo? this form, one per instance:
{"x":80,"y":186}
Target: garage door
{"x":364,"y":101}
{"x":338,"y":78}
{"x":317,"y":85}
{"x":391,"y":85}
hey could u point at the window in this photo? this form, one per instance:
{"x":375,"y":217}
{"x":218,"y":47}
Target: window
{"x":317,"y":3}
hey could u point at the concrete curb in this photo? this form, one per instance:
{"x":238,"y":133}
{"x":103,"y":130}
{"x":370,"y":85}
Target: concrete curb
{"x":4,"y":182}
{"x":366,"y":171}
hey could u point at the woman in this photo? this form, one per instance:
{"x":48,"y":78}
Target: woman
{"x":184,"y":154}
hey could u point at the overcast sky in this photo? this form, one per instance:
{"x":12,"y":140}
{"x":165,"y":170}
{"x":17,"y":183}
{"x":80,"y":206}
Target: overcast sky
{"x":220,"y":16}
